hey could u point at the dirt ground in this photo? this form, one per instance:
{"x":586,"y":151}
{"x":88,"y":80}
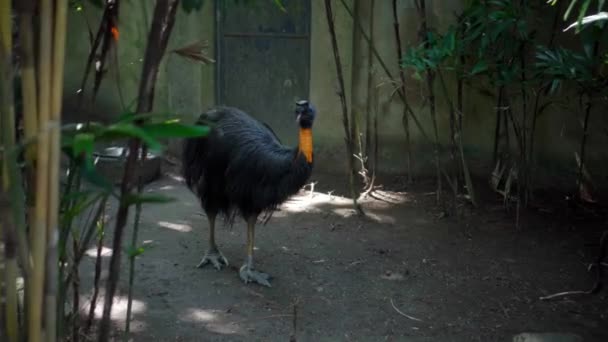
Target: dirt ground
{"x":405,"y":273}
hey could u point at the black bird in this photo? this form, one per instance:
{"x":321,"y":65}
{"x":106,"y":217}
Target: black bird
{"x":242,"y":168}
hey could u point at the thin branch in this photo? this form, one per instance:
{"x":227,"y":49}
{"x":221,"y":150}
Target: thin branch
{"x":404,"y":314}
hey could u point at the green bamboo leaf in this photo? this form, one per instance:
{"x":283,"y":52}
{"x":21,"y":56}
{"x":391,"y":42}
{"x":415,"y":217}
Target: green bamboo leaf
{"x":172,"y":129}
{"x":480,"y":67}
{"x":127,"y":130}
{"x":135,"y":251}
{"x":190,"y":5}
{"x":83,"y":143}
{"x":280,"y":5}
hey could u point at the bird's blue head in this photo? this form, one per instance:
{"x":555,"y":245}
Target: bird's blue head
{"x":305,"y":114}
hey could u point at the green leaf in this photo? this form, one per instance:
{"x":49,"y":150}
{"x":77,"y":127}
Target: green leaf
{"x":132,"y":117}
{"x":190,"y":5}
{"x":83,"y":143}
{"x":135,"y":251}
{"x":91,"y":175}
{"x":567,"y":14}
{"x":147,"y":198}
{"x":480,"y":67}
{"x":280,"y":5}
{"x":97,"y":3}
{"x":172,"y":129}
{"x":126,"y":130}
{"x":79,"y":207}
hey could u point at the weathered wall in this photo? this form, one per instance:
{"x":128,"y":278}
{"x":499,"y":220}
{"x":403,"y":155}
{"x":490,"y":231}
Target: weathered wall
{"x":183,"y":87}
{"x":187,"y":88}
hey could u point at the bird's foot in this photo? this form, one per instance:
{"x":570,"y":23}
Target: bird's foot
{"x":249,"y":275}
{"x":215,"y":258}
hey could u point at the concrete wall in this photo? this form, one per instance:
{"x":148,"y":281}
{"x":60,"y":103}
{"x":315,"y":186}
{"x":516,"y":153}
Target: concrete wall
{"x":186,"y":88}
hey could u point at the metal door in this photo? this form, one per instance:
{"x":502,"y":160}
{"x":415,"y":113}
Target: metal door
{"x":264,"y":59}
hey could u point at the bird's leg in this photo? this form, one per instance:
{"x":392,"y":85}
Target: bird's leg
{"x":247,"y":273}
{"x":213,"y":255}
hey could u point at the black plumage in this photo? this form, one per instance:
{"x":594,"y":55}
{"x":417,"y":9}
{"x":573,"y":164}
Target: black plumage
{"x":242,"y":168}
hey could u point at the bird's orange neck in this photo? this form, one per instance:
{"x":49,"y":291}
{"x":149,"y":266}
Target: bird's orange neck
{"x":305,"y":143}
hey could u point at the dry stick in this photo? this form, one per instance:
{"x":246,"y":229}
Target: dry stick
{"x":61,"y":9}
{"x":583,"y":147}
{"x":372,"y":127}
{"x":293,"y":337}
{"x":460,"y":112}
{"x":499,"y":111}
{"x":599,"y":275}
{"x":342,"y":95}
{"x":523,"y":187}
{"x":405,"y":120}
{"x":162,"y":25}
{"x":75,"y":295}
{"x":452,"y":182}
{"x":39,"y":231}
{"x":404,"y":314}
{"x":101,"y":34}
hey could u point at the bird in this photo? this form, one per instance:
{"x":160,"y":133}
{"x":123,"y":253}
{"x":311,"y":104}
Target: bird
{"x":241,"y":168}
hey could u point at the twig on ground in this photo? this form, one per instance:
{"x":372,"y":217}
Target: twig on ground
{"x":563,"y":294}
{"x":404,"y":314}
{"x":354,"y":263}
{"x":293,"y":337}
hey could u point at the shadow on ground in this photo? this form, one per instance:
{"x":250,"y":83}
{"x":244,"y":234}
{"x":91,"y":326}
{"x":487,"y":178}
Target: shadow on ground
{"x":403,"y":274}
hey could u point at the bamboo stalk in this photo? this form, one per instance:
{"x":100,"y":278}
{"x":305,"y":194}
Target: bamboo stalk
{"x":430,"y":80}
{"x":61,"y":7}
{"x":7,"y":137}
{"x":162,"y":25}
{"x":30,"y":102}
{"x":98,"y":261}
{"x":355,"y":116}
{"x":405,"y":118}
{"x":39,"y":231}
{"x":342,"y":96}
{"x":133,"y":255}
{"x":368,"y":102}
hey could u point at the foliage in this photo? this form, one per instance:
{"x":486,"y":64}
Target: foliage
{"x":584,"y":19}
{"x":496,"y":41}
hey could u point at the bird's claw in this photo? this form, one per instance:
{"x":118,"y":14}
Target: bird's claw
{"x":215,"y":258}
{"x":248,"y":275}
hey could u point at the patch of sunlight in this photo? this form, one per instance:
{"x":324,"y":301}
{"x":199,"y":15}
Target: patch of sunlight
{"x":167,"y":187}
{"x":380,"y":218}
{"x":213,"y":320}
{"x":184,"y":228}
{"x":279,"y":213}
{"x":306,"y":202}
{"x":119,"y":307}
{"x":105,"y":252}
{"x":345,"y":212}
{"x":200,"y":315}
{"x":176,"y":177}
